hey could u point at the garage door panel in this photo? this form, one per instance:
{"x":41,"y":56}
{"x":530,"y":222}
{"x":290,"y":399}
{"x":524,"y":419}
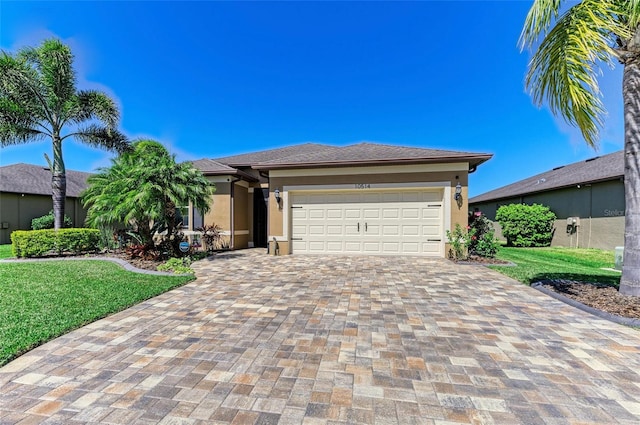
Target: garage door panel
{"x":410,"y":213}
{"x":390,"y":213}
{"x":431,"y":230}
{"x":371,"y":213}
{"x":390,"y":230}
{"x":431,"y":213}
{"x":334,"y":213}
{"x":410,"y":247}
{"x":388,"y":222}
{"x":411,"y":230}
{"x":335,"y":230}
{"x":391,"y":247}
{"x":352,"y":213}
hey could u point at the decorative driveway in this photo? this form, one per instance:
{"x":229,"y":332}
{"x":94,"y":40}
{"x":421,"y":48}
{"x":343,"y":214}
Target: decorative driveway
{"x":326,"y":340}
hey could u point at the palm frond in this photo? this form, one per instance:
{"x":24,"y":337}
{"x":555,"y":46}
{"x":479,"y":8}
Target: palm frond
{"x":89,"y":104}
{"x":539,"y":19}
{"x":54,"y":62}
{"x":102,"y":137}
{"x":564,"y":69}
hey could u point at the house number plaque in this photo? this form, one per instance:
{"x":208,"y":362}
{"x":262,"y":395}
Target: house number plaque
{"x":363,"y":186}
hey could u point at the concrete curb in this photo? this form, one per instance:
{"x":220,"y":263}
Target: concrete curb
{"x":119,"y":261}
{"x":599,"y":313}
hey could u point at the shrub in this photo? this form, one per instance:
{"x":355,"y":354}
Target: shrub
{"x":526,"y":225}
{"x":459,"y":241}
{"x":176,"y":265}
{"x":46,"y":222}
{"x":212,"y":237}
{"x":37,"y":243}
{"x":482,"y":241}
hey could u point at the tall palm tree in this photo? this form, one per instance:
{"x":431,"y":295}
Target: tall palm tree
{"x":143,"y":188}
{"x":563,"y":71}
{"x":39,"y":100}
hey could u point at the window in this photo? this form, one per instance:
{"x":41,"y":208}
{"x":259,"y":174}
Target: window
{"x":183,"y":216}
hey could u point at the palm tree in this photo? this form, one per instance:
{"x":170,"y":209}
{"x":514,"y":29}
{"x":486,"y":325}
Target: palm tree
{"x":39,"y":99}
{"x":563,"y":71}
{"x":143,"y":188}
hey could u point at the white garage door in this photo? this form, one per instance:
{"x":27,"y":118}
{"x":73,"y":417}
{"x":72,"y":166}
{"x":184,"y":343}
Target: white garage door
{"x":375,"y":223}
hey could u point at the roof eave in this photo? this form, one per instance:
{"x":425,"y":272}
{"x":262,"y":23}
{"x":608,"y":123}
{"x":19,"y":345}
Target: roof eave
{"x":550,"y":189}
{"x":473,"y":160}
{"x":239,"y":173}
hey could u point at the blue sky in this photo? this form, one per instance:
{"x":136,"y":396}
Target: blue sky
{"x":210,"y":79}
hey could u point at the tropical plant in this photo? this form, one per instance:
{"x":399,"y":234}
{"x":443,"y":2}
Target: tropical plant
{"x":211,"y":236}
{"x":143,"y":188}
{"x":39,"y":99}
{"x":564,"y":71}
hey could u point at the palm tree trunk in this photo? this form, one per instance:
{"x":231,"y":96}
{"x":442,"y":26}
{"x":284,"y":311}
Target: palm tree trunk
{"x":630,"y":280}
{"x":58,"y":184}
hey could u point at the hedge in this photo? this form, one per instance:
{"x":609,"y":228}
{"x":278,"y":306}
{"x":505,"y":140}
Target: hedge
{"x":38,"y":243}
{"x":526,"y":225}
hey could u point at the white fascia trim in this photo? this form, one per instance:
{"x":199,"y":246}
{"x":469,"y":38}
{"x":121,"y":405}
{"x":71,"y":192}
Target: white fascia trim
{"x":251,"y":189}
{"x":237,"y":232}
{"x":286,"y":213}
{"x":378,"y":169}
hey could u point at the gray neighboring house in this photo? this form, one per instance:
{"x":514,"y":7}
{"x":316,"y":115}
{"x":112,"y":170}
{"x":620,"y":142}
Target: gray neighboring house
{"x":586,"y":196}
{"x":25,"y":194}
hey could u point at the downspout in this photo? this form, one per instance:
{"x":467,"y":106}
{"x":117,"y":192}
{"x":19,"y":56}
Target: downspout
{"x":233,"y":201}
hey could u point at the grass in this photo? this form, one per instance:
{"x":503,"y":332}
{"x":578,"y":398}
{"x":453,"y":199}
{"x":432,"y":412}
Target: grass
{"x":5,"y":251}
{"x":535,"y":264}
{"x":40,"y":301}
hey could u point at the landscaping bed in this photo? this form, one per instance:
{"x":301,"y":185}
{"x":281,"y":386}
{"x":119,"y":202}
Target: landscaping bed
{"x":599,"y":296}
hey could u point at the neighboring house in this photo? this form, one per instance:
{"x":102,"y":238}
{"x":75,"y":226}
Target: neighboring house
{"x":25,"y":194}
{"x":586,"y":196}
{"x":318,"y":199}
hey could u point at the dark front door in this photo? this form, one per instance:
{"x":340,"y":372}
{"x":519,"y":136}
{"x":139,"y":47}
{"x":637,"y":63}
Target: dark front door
{"x":260,"y":202}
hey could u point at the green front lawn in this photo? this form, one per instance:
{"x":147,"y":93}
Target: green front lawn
{"x":40,"y":301}
{"x":535,"y":264}
{"x":5,"y":251}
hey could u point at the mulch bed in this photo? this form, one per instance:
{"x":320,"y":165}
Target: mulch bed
{"x":602,"y":297}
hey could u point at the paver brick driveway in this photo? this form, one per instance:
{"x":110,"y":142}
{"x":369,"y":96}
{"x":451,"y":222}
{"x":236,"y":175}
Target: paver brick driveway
{"x":321,"y":340}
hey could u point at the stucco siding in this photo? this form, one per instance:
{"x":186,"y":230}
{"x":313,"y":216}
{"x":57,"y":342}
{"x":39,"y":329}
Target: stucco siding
{"x":599,"y":207}
{"x":17,"y":210}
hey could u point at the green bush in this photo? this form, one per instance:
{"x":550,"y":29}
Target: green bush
{"x":176,"y":265}
{"x":458,"y":241}
{"x":526,"y":225}
{"x":483,"y":241}
{"x":46,"y":222}
{"x":37,"y":243}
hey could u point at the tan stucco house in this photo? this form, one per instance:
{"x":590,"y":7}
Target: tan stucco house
{"x":365,"y":198}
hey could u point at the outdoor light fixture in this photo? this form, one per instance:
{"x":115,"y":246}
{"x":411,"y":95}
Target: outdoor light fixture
{"x":277,"y":195}
{"x":458,"y":195}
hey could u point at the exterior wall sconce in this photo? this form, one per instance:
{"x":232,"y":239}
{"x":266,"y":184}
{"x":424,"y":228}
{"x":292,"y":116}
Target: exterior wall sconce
{"x":276,"y":193}
{"x":458,"y":194}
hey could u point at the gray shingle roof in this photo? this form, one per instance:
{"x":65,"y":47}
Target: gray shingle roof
{"x":36,"y":179}
{"x":600,"y":168}
{"x":249,"y":159}
{"x":210,"y":167}
{"x":368,"y":153}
